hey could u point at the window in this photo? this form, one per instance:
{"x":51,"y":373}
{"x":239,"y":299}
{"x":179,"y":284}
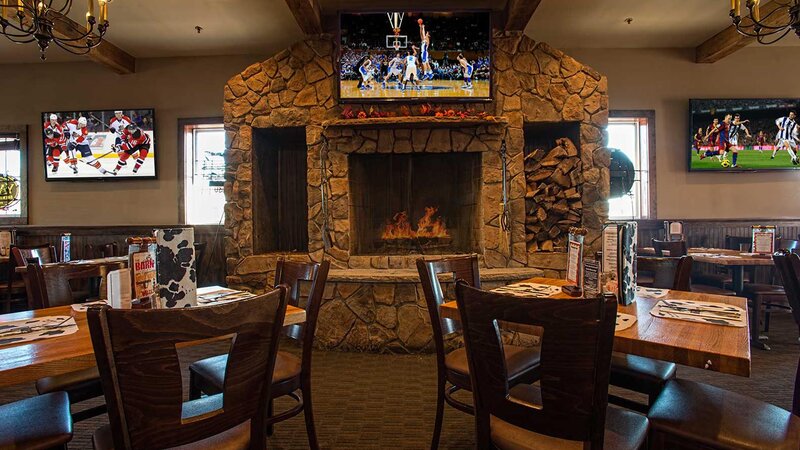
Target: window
{"x":13,"y":175}
{"x":202,"y":171}
{"x":633,"y":133}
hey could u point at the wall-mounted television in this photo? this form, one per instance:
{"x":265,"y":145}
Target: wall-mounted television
{"x":743,"y":135}
{"x":103,"y":144}
{"x":415,"y":56}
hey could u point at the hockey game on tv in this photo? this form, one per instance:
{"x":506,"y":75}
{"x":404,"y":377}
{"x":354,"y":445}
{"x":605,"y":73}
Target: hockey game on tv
{"x":415,"y":55}
{"x":744,"y":134}
{"x":103,"y":144}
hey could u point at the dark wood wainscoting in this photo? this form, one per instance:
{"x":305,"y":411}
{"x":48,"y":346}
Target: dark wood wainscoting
{"x":212,"y":266}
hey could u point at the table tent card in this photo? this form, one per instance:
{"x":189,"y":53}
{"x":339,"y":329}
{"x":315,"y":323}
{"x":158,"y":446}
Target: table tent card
{"x":5,"y":244}
{"x":575,"y":256}
{"x":591,"y":278}
{"x":763,"y":241}
{"x":177,"y":276}
{"x":142,"y":265}
{"x":619,"y":261}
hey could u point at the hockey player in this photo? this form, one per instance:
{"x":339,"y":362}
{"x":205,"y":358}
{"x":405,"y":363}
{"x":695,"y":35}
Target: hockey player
{"x":117,"y":126}
{"x":57,"y":133}
{"x":78,"y":141}
{"x":134,"y":141}
{"x":54,"y":146}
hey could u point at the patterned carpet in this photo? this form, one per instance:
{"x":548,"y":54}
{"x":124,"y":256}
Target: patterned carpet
{"x":369,"y":401}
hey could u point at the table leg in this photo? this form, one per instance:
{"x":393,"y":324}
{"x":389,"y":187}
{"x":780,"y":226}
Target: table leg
{"x":755,"y":313}
{"x":738,"y":279}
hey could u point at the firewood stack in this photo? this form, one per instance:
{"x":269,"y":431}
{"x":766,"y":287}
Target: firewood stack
{"x":553,"y":197}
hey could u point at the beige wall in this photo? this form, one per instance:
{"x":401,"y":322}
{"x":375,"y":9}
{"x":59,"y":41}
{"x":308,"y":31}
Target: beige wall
{"x":664,"y":80}
{"x":176,"y":88}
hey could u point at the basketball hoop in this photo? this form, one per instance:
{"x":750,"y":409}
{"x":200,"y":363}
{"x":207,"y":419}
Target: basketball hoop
{"x":396,"y":41}
{"x":395,"y":21}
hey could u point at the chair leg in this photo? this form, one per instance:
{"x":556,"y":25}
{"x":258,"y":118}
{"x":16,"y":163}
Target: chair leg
{"x":308,"y":411}
{"x":270,"y":413}
{"x":194,"y":391}
{"x":766,"y":318}
{"x":437,"y":427}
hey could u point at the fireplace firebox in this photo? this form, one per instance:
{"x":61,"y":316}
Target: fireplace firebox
{"x":424,"y":203}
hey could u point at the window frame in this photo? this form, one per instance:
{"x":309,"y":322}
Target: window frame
{"x":650,"y":115}
{"x":182,"y":125}
{"x":22,"y":131}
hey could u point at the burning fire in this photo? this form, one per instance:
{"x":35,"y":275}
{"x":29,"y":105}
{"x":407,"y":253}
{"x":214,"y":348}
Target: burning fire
{"x":427,"y":226}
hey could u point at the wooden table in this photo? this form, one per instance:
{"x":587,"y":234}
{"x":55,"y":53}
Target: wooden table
{"x":114,"y":261}
{"x":713,"y":347}
{"x":27,"y":362}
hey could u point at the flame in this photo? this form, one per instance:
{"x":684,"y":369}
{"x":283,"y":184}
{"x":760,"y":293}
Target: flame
{"x":427,"y":227}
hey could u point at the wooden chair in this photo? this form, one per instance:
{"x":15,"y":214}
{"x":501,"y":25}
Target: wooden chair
{"x":15,"y":288}
{"x":667,"y":272}
{"x":41,"y":422}
{"x":675,"y":248}
{"x":94,"y":251}
{"x":696,"y":415}
{"x":138,"y":362}
{"x":291,"y":373}
{"x":569,"y":407}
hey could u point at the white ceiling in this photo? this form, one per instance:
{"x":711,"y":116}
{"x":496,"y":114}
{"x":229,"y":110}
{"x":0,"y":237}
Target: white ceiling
{"x":165,"y":28}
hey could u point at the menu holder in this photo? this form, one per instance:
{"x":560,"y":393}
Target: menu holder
{"x":5,"y":244}
{"x":177,"y":277}
{"x":142,"y":265}
{"x":618,"y":264}
{"x":763,"y":239}
{"x":66,"y":241}
{"x":118,"y":288}
{"x":591,"y":278}
{"x":575,"y":256}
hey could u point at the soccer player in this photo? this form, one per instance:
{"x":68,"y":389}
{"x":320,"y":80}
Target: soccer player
{"x":712,"y":137}
{"x":78,"y":141}
{"x":117,"y":126}
{"x":424,"y":56}
{"x":411,"y":68}
{"x":736,"y":127}
{"x":467,"y":70}
{"x":698,"y":140}
{"x":395,"y":70}
{"x":724,"y":139}
{"x":365,"y":69}
{"x":761,"y":141}
{"x":134,"y":140}
{"x":785,"y":139}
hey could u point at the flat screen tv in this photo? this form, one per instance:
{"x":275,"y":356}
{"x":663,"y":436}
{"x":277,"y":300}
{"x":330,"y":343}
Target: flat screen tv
{"x":743,"y":135}
{"x":415,"y":56}
{"x":111,"y":144}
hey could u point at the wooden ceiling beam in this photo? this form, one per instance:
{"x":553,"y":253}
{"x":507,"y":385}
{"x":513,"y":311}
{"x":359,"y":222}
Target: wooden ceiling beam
{"x":307,"y":15}
{"x":729,"y":40}
{"x":518,"y":13}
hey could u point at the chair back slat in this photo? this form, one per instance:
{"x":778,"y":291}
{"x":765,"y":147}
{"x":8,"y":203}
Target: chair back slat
{"x":676,"y":249}
{"x":45,"y":253}
{"x":577,"y":338}
{"x":141,"y":374}
{"x":668,"y":272}
{"x":53,"y":285}
{"x":788,"y":266}
{"x":459,"y":268}
{"x":738,"y":243}
{"x":92,"y":251}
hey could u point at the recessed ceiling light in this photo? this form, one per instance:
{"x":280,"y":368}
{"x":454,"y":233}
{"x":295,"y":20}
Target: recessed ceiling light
{"x":198,"y":28}
{"x":628,"y":20}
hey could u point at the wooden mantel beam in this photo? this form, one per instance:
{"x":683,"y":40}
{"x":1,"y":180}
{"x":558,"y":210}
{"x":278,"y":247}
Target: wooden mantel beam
{"x":518,"y":13}
{"x":729,"y":40}
{"x":106,"y":54}
{"x":306,"y":13}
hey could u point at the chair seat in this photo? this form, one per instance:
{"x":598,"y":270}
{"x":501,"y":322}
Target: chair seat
{"x":760,"y":288}
{"x":640,"y":374}
{"x":212,"y":371}
{"x":519,"y":361}
{"x":237,"y":438}
{"x":79,"y":385}
{"x":645,"y":279}
{"x":712,"y":279}
{"x":40,"y":422}
{"x":705,"y":289}
{"x":623,"y":430}
{"x":695,"y":414}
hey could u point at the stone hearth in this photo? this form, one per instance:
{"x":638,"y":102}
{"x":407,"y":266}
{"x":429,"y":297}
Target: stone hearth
{"x":535,"y":87}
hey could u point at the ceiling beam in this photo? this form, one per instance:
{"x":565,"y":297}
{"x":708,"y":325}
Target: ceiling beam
{"x":518,"y":13}
{"x":106,"y":54}
{"x":729,"y":40}
{"x":306,"y":13}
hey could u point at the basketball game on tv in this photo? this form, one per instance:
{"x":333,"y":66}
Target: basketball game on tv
{"x":102,"y":144}
{"x":415,"y":56}
{"x":744,"y":135}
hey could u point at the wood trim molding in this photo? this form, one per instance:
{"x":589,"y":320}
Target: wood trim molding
{"x":650,"y":115}
{"x":22,"y":131}
{"x":518,"y":13}
{"x":182,"y":124}
{"x":729,"y":40}
{"x":307,"y":15}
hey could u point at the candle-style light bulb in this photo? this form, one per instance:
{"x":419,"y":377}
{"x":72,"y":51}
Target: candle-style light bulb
{"x":756,"y":11}
{"x":90,"y":10}
{"x":88,"y":22}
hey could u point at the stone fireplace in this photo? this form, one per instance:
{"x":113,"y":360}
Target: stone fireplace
{"x":372,"y":195}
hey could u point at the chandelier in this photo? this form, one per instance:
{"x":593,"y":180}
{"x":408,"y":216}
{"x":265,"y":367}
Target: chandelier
{"x":25,"y":21}
{"x":781,"y":18}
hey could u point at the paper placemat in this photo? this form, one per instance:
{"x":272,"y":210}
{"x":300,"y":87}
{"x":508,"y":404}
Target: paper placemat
{"x":624,"y":321}
{"x":529,"y":290}
{"x":704,"y":312}
{"x":33,"y":329}
{"x":647,"y":292}
{"x":83,"y":307}
{"x":223,"y":295}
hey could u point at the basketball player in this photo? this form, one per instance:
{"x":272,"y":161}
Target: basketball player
{"x":424,"y":57}
{"x":395,"y":70}
{"x":787,"y":133}
{"x":411,"y":68}
{"x":737,"y":126}
{"x":467,"y":69}
{"x":365,"y":69}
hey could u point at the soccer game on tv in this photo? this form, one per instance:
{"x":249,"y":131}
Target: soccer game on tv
{"x":102,"y":144}
{"x":744,"y":134}
{"x":415,"y":56}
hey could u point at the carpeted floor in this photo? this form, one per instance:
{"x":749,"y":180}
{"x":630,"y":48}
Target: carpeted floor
{"x":368,"y":401}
